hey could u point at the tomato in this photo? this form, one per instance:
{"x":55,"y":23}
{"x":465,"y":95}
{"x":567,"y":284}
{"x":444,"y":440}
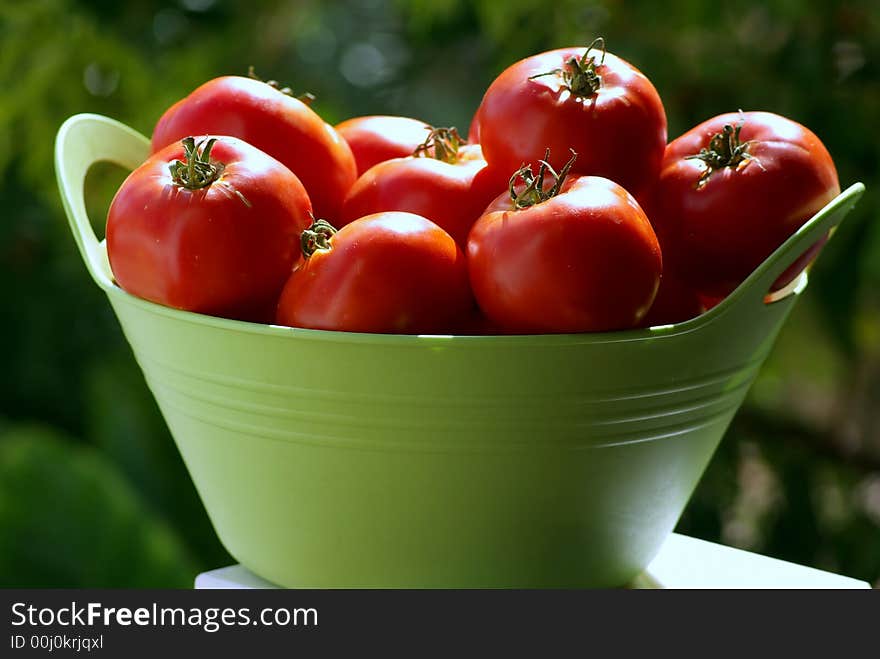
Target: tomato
{"x":269,"y":119}
{"x":473,"y":136}
{"x":676,"y":301}
{"x":375,"y":139}
{"x":584,"y":99}
{"x":732,"y":190}
{"x":392,"y":273}
{"x":580,"y":257}
{"x":213,"y":230}
{"x":451,"y":185}
{"x":477,"y":324}
{"x":707,"y":302}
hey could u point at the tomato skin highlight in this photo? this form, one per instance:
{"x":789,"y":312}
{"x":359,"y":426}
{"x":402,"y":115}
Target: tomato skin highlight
{"x":452,"y":195}
{"x":719,"y":231}
{"x":586,"y":260}
{"x":282,"y":126}
{"x":618,"y":133}
{"x":473,"y":135}
{"x":377,"y":138}
{"x":207,"y":250}
{"x":387,"y":273}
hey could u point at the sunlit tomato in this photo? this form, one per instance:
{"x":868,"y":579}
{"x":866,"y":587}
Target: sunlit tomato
{"x":214,"y":230}
{"x":271,"y":120}
{"x":391,"y":273}
{"x":580,"y":257}
{"x":473,"y":136}
{"x":584,"y":99}
{"x":375,"y":139}
{"x":732,"y":190}
{"x":448,"y":183}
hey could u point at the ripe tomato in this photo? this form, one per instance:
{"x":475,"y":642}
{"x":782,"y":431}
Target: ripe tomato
{"x":584,"y":99}
{"x":451,"y":186}
{"x":731,"y":191}
{"x":676,"y":301}
{"x":473,"y":136}
{"x":375,"y":139}
{"x":580,"y":257}
{"x":213,"y":230}
{"x":269,"y":119}
{"x":394,"y":273}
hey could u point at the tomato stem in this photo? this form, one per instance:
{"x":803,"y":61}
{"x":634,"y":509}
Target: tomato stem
{"x":305,"y":97}
{"x":579,"y":75}
{"x":316,"y":237}
{"x":445,"y":143}
{"x":196,"y":171}
{"x":725,"y":150}
{"x":534,"y":192}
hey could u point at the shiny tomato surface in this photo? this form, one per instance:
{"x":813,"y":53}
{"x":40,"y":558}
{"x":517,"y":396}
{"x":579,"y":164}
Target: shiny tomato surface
{"x":718,"y":222}
{"x":377,"y":138}
{"x":392,"y":273}
{"x":450,"y":194}
{"x":618,"y":130}
{"x":282,"y":126}
{"x":225,"y":249}
{"x":586,"y":260}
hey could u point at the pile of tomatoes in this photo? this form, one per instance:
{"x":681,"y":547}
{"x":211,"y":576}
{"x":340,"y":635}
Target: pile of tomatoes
{"x":564,"y":210}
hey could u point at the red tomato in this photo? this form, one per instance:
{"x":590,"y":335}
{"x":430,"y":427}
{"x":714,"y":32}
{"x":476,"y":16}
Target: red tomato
{"x":477,"y":324}
{"x":473,"y":136}
{"x":392,"y":273}
{"x":584,"y":99}
{"x":707,"y":302}
{"x":214,"y":231}
{"x":451,"y":189}
{"x":732,"y":190}
{"x":376,"y":139}
{"x":582,"y":257}
{"x":676,"y":302}
{"x":282,"y":126}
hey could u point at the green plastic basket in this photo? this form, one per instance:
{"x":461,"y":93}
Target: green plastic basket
{"x":335,"y":459}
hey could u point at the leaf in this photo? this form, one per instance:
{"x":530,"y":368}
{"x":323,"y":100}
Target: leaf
{"x":70,"y":520}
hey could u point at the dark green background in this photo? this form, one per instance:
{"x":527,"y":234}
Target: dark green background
{"x":92,"y":490}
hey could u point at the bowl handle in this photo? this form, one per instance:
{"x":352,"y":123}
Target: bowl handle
{"x":752,"y":294}
{"x":83,"y":140}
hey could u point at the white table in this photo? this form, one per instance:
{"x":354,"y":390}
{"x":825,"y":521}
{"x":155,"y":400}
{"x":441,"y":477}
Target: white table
{"x":683,"y":562}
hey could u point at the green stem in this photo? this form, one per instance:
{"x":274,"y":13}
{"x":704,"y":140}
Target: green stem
{"x":442,"y":144}
{"x":725,"y":150}
{"x":306,"y":97}
{"x":316,"y":237}
{"x":196,"y":171}
{"x":579,"y":75}
{"x":534,"y":192}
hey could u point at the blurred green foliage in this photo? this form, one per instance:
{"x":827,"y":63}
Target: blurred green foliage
{"x":70,"y":518}
{"x":92,"y":489}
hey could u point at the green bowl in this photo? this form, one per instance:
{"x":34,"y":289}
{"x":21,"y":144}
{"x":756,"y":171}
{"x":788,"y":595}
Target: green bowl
{"x":335,"y":459}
